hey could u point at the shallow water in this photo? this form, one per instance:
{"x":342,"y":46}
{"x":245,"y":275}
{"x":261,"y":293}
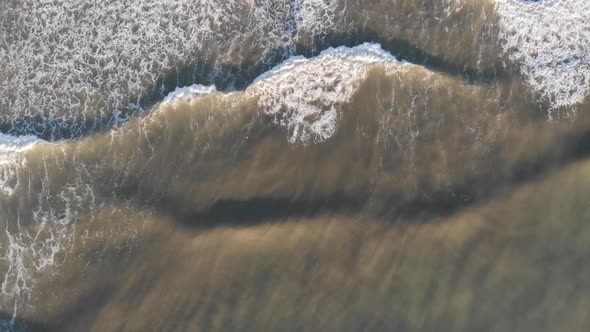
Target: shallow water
{"x":294,"y":165}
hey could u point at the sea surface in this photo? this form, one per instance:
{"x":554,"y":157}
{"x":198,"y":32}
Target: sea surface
{"x":294,"y":165}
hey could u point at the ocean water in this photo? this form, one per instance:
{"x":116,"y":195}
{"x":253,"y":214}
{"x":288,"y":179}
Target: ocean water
{"x":294,"y":165}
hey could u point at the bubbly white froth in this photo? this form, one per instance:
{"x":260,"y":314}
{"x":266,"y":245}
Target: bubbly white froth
{"x":69,"y":59}
{"x":550,"y":41}
{"x":27,"y":251}
{"x":304,"y":95}
{"x":11,"y":146}
{"x":188,"y":92}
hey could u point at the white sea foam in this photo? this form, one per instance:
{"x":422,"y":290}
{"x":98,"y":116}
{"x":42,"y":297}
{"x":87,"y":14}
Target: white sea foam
{"x":550,"y":41}
{"x":12,"y":146}
{"x":65,"y":60}
{"x":304,"y":95}
{"x":188,"y":92}
{"x":25,"y":251}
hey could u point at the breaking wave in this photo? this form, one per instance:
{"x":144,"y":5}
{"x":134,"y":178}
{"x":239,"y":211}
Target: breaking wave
{"x":305,"y":95}
{"x":118,"y":59}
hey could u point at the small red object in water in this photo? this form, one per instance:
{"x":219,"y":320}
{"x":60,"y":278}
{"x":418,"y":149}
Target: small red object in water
{"x":247,"y":137}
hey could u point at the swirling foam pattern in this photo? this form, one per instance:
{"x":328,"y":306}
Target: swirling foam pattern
{"x":76,"y":63}
{"x":550,"y":41}
{"x":304,"y":95}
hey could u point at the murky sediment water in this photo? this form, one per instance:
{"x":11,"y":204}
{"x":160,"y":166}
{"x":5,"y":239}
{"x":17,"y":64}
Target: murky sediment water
{"x":294,"y":165}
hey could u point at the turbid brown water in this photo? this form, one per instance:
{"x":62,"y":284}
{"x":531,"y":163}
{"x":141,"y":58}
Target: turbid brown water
{"x":294,"y":165}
